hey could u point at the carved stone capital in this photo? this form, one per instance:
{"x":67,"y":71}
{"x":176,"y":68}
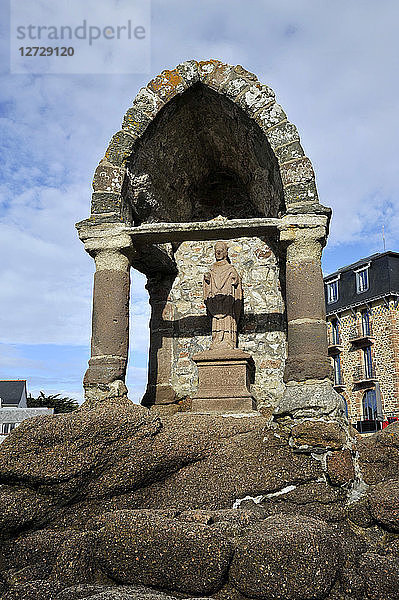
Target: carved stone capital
{"x":106,"y":241}
{"x":303,"y":235}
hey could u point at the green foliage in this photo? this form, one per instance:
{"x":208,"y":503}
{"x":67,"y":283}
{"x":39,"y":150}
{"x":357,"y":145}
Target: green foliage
{"x":60,"y":405}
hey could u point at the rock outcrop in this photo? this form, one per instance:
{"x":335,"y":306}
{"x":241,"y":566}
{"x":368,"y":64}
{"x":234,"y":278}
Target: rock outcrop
{"x":116,"y":503}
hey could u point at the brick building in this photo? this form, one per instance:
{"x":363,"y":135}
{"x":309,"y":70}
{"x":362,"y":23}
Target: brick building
{"x":362,"y":305}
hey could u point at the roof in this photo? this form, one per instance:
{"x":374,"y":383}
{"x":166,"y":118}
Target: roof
{"x":382,"y":281}
{"x":11,"y":391}
{"x":361,"y":262}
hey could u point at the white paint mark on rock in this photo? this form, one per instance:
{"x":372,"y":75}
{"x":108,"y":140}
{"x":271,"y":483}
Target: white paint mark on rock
{"x":286,"y":490}
{"x":256,"y":499}
{"x":359,"y":488}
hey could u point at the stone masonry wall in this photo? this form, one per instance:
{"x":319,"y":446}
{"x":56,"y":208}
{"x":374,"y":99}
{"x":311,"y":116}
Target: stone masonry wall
{"x":385,"y":353}
{"x":262,"y":326}
{"x":394,"y":318}
{"x":384,"y":356}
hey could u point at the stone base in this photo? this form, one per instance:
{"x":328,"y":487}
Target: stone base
{"x":104,"y":370}
{"x":224,"y":377}
{"x":161,"y":394}
{"x":98,"y":393}
{"x":223,"y":405}
{"x":311,"y":399}
{"x":304,"y":366}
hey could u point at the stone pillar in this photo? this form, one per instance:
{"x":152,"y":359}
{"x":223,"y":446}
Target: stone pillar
{"x":304,"y":238}
{"x":112,"y":250}
{"x":159,"y":387}
{"x":308,"y":372}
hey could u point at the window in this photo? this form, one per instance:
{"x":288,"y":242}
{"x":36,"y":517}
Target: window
{"x":366,"y":327}
{"x":7,"y":428}
{"x":337,"y":370}
{"x":345,"y":405}
{"x":370,"y":405}
{"x":335,"y":338}
{"x":332,"y":291}
{"x":368,"y":363}
{"x":362,"y":280}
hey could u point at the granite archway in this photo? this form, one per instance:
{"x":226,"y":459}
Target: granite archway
{"x":236,"y":85}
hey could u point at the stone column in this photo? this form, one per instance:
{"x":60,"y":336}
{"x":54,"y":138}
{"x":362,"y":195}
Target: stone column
{"x":308,"y":372}
{"x":159,"y":387}
{"x":111,"y":248}
{"x":304,"y":238}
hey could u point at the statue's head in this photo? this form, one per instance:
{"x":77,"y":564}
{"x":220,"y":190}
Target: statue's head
{"x":221,"y":250}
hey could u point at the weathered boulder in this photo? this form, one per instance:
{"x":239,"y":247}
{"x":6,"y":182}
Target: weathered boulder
{"x":34,"y":590}
{"x":352,"y":581}
{"x":340,"y":467}
{"x":316,"y":499}
{"x":42,"y":590}
{"x":384,"y":504}
{"x":359,"y":513}
{"x":32,"y":555}
{"x":106,"y":592}
{"x":379,"y":455}
{"x":286,"y":558}
{"x":105,"y":500}
{"x":100,"y":454}
{"x":75,"y":560}
{"x":380,"y":575}
{"x":322,"y":434}
{"x":22,"y":506}
{"x":138,"y":548}
{"x":248,"y":461}
{"x":61,"y":452}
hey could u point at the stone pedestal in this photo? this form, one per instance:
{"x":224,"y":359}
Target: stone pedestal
{"x":224,"y":377}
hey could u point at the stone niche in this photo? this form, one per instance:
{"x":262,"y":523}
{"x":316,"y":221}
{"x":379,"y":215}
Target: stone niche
{"x":180,"y":326}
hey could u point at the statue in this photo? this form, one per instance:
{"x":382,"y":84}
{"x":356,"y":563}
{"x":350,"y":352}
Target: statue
{"x":224,"y":371}
{"x":223,"y":299}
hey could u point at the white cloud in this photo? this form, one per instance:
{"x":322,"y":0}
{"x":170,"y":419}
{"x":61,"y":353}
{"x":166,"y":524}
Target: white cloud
{"x":45,"y":275}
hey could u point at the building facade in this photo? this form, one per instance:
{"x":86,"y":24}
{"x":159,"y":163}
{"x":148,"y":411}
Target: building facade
{"x":362,"y":305}
{"x":13,"y":406}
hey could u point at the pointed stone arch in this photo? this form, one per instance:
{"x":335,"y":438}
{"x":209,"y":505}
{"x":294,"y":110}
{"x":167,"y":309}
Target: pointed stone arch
{"x":240,"y":87}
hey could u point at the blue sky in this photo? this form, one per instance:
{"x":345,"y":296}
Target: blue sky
{"x":333,"y":66}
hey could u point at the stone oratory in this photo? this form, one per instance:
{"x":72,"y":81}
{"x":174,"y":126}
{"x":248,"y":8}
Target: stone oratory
{"x":206,"y":153}
{"x":240,"y":477}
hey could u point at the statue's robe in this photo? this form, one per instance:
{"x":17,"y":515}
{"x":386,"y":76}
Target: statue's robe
{"x":223,"y":299}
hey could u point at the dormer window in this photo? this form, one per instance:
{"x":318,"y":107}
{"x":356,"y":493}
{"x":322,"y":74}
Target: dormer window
{"x":362,"y":279}
{"x":332,"y":290}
